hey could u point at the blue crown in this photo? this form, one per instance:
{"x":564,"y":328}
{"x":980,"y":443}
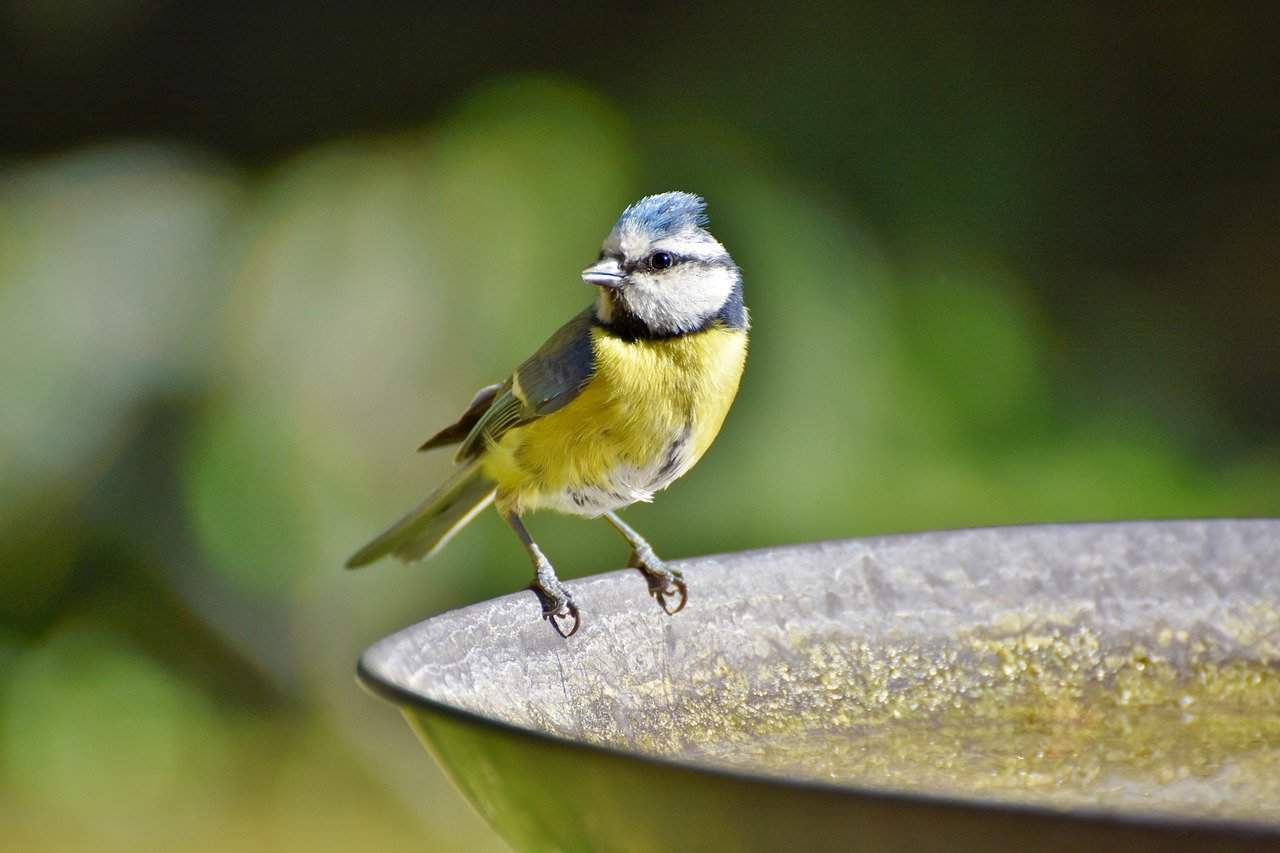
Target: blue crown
{"x":664,"y":215}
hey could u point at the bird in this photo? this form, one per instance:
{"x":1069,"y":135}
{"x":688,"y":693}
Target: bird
{"x":615,"y":406}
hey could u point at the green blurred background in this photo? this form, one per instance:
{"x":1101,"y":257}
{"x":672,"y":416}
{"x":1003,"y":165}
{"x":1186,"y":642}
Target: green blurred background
{"x":1004,"y":266}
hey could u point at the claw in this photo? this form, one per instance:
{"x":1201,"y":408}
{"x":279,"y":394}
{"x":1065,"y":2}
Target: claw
{"x":569,"y":610}
{"x":677,"y":584}
{"x":556,"y":608}
{"x":663,"y":582}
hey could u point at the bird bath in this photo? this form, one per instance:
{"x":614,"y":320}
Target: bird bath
{"x":1067,"y":687}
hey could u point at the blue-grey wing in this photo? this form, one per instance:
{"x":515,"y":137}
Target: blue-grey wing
{"x":545,"y":382}
{"x":461,"y":428}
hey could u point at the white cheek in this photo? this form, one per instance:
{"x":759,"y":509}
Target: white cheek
{"x":682,"y":304}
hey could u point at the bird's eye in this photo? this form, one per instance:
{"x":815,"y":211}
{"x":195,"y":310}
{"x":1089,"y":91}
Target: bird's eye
{"x":661,"y":260}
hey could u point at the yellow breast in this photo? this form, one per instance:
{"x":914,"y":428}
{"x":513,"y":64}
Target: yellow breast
{"x":650,"y":411}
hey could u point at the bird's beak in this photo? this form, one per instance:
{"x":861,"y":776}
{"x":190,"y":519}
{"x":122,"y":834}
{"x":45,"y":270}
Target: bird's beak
{"x":606,"y":272}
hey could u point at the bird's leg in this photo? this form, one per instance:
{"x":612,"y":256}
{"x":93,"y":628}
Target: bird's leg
{"x":557,"y":603}
{"x":663,"y":581}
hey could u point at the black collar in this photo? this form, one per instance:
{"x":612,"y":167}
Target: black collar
{"x":630,"y":328}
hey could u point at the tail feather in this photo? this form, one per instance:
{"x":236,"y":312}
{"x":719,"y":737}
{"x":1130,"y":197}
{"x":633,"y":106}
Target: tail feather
{"x":428,"y":526}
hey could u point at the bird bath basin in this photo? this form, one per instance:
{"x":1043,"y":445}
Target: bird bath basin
{"x":1069,"y":687}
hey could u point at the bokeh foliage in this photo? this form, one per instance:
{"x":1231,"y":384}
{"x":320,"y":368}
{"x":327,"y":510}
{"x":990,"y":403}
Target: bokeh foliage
{"x":216,"y":367}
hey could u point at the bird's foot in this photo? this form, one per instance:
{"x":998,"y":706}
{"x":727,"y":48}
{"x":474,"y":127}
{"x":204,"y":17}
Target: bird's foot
{"x":557,"y":603}
{"x":664,"y":582}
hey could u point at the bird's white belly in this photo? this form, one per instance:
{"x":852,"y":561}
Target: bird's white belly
{"x":625,"y":484}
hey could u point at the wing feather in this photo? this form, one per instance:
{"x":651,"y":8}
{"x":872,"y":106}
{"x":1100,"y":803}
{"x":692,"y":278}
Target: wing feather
{"x":545,"y":382}
{"x":459,"y":430}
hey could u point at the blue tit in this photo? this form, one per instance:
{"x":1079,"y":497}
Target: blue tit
{"x":615,"y":406}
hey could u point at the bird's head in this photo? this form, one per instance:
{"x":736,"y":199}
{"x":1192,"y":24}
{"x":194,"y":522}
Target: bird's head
{"x":661,"y":273}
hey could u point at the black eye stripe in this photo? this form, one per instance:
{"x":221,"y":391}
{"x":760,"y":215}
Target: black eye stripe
{"x":646,"y":263}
